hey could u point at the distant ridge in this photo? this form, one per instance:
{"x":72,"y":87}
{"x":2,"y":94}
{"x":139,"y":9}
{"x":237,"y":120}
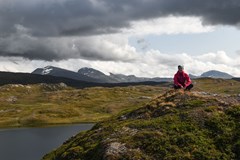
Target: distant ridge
{"x":96,"y":74}
{"x":93,"y":75}
{"x":28,"y":78}
{"x":236,"y":78}
{"x":59,"y":72}
{"x":216,"y":74}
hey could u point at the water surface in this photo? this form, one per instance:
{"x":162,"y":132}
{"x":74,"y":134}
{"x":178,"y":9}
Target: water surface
{"x":34,"y":143}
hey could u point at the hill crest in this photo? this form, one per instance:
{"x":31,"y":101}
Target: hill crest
{"x":174,"y":125}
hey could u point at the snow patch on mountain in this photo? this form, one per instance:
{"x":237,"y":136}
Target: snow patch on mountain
{"x":47,"y":70}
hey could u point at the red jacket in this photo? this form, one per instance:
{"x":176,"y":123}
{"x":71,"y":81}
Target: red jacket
{"x":182,"y":79}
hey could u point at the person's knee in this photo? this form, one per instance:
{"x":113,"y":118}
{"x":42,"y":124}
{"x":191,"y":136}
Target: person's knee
{"x":177,"y":87}
{"x":189,"y":87}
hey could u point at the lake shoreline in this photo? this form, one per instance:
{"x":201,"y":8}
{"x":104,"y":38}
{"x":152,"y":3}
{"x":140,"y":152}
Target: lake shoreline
{"x":44,"y":126}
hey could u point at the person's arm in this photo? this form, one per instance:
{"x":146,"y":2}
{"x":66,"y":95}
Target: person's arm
{"x":188,"y":80}
{"x":176,"y":81}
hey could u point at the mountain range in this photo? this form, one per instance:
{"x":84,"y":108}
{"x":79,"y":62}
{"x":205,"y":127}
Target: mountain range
{"x":93,"y":75}
{"x":89,"y":77}
{"x":59,"y":72}
{"x":29,"y":78}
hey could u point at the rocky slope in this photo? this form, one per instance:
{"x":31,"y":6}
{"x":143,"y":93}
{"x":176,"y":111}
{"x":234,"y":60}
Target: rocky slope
{"x":93,"y":73}
{"x":174,"y":125}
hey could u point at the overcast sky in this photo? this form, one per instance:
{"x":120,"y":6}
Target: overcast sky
{"x":141,"y":37}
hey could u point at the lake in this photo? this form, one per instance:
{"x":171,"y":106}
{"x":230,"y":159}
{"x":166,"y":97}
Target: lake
{"x":34,"y":143}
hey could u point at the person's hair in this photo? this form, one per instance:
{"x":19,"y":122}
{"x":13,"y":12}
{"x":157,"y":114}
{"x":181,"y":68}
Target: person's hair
{"x":180,"y":67}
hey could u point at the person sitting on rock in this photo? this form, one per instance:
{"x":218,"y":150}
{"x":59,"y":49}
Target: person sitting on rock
{"x":182,"y":80}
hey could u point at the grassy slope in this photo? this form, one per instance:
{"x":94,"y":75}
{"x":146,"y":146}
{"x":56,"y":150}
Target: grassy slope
{"x":217,"y":86}
{"x":174,"y":125}
{"x":35,"y":105}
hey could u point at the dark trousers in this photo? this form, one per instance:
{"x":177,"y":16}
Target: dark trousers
{"x":187,"y":88}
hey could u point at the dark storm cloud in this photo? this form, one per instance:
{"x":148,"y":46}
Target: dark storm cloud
{"x":59,"y":18}
{"x":54,"y":18}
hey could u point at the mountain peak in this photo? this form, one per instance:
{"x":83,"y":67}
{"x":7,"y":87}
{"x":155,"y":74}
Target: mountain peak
{"x":96,"y":74}
{"x":89,"y":71}
{"x":47,"y":70}
{"x":60,"y":72}
{"x":216,"y":74}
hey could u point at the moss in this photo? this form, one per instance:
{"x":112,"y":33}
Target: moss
{"x":195,"y":103}
{"x":211,"y":108}
{"x":73,"y":153}
{"x":234,"y":112}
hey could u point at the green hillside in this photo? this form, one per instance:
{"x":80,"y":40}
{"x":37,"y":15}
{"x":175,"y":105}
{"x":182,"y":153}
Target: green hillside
{"x":51,"y":104}
{"x":174,"y":125}
{"x":45,"y":104}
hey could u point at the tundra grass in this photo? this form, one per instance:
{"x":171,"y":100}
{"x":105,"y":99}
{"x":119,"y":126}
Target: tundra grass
{"x":40,"y":105}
